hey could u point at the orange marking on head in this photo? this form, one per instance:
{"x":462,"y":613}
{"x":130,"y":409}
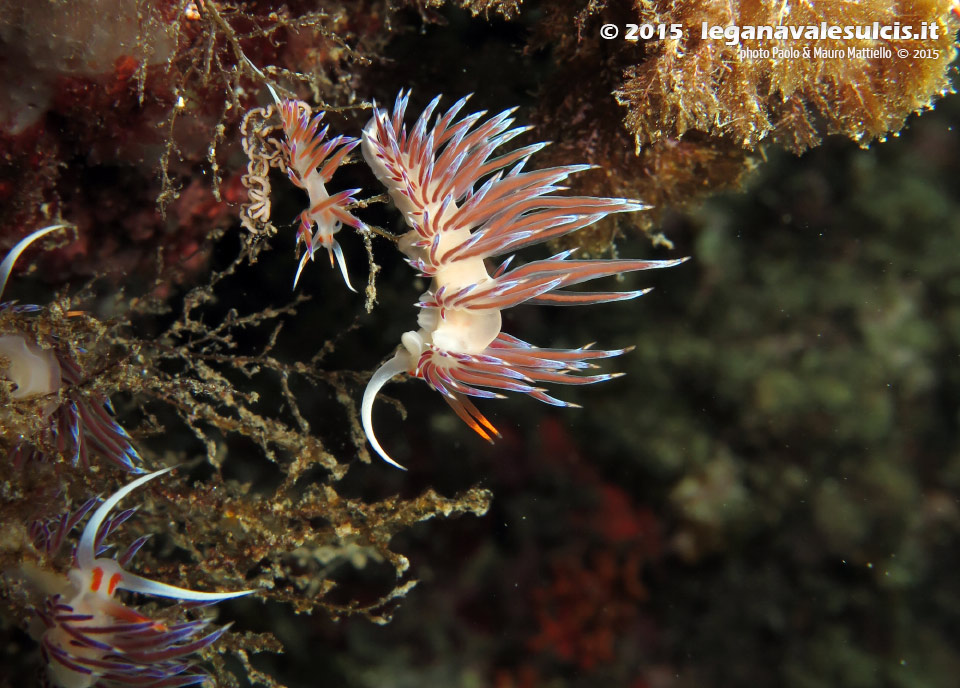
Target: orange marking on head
{"x":96,"y":579}
{"x":114,"y":581}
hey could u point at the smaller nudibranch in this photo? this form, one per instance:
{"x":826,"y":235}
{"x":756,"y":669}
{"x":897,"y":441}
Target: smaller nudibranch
{"x":311,"y":162}
{"x":91,"y":638}
{"x":464,"y":204}
{"x":42,"y":369}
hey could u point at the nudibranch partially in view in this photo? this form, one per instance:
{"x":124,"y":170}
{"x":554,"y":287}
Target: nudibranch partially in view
{"x":433,"y":174}
{"x":41,"y":369}
{"x":311,"y":161}
{"x":32,"y":370}
{"x":93,"y":639}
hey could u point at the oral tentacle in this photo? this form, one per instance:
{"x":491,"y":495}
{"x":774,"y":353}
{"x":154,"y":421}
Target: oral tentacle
{"x":86,"y":548}
{"x":389,"y":370}
{"x":6,"y":267}
{"x":135,"y":583}
{"x":338,"y":252}
{"x":303,"y":261}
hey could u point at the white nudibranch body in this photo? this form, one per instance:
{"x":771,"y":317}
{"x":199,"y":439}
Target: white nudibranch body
{"x":33,"y":371}
{"x":463,"y":206}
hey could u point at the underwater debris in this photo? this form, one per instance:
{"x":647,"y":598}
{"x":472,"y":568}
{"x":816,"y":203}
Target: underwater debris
{"x":433,"y":174}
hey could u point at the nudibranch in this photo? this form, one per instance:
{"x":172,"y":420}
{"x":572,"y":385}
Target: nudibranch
{"x":311,"y":161}
{"x":93,"y":639}
{"x":32,"y":370}
{"x":464,"y":204}
{"x":41,"y":370}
